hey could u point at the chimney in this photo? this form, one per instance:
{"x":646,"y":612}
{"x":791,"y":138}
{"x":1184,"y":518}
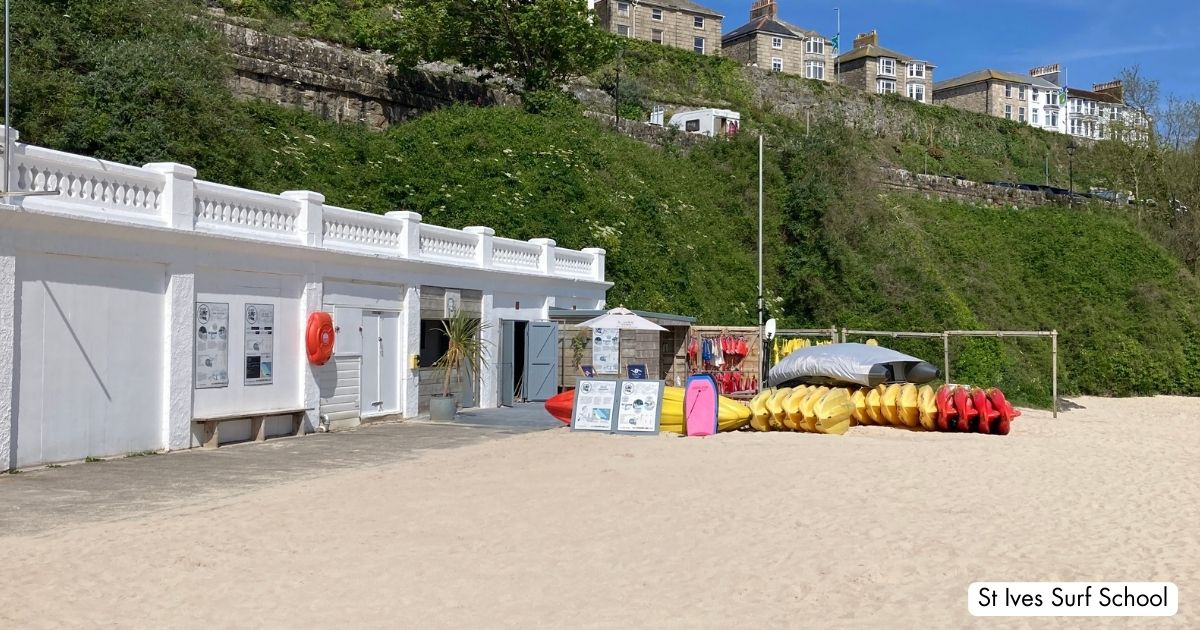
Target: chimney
{"x":866,"y":39}
{"x":1111,"y":88}
{"x":762,"y":8}
{"x":1050,"y":73}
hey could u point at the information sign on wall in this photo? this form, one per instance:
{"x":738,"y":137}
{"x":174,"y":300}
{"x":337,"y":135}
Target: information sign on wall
{"x":260,"y":331}
{"x":212,"y":345}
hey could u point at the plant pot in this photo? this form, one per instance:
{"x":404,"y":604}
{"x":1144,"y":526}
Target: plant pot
{"x":443,"y":408}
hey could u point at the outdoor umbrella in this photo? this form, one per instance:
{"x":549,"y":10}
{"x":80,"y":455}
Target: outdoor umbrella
{"x":622,"y":318}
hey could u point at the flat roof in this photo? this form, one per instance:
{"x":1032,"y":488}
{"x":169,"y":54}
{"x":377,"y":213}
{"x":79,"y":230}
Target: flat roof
{"x":582,"y":314}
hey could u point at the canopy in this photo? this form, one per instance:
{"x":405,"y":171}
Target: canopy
{"x":842,"y":363}
{"x":621,"y":318}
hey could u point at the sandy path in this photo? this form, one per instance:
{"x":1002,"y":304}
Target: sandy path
{"x":879,"y":528}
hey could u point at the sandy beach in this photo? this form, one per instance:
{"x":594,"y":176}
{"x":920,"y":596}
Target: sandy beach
{"x":880,"y":528}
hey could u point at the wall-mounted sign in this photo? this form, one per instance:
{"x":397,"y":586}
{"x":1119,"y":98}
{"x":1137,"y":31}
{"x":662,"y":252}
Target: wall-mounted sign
{"x":212,"y":345}
{"x":639,"y":407}
{"x":452,"y":302}
{"x":260,"y":332}
{"x":595,"y":403}
{"x":606,"y":350}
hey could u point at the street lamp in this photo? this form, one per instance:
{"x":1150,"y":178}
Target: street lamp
{"x":1071,"y":174}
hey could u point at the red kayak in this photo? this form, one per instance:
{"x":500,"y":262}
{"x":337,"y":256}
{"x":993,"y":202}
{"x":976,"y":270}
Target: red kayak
{"x":1004,"y":410}
{"x":988,"y":414}
{"x":945,"y":406}
{"x":560,"y":406}
{"x":966,"y":409}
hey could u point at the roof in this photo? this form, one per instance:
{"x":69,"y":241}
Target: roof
{"x":987,"y":74}
{"x":682,"y":5}
{"x":1095,"y":96}
{"x":665,"y":319}
{"x":871,"y":50}
{"x":767,"y":24}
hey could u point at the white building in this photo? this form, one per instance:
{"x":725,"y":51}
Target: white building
{"x":139,"y":299}
{"x":709,"y":122}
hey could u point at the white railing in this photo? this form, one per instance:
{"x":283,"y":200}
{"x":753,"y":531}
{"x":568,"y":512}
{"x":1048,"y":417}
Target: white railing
{"x":93,"y":184}
{"x":447,"y":244}
{"x":220,"y":207}
{"x":168,"y":195}
{"x":511,"y":254}
{"x":361,"y":230}
{"x":569,"y":262}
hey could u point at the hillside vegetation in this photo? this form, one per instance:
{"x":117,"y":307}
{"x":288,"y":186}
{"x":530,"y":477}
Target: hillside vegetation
{"x":134,"y":81}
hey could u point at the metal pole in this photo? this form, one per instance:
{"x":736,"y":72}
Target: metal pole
{"x":837,"y":62}
{"x":946,"y":354}
{"x":1054,"y":368}
{"x":764,"y":360}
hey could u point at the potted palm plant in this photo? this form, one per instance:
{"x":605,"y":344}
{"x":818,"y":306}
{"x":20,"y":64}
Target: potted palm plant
{"x":465,"y":348}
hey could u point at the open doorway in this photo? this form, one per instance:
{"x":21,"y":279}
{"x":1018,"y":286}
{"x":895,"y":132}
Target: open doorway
{"x":528,"y":361}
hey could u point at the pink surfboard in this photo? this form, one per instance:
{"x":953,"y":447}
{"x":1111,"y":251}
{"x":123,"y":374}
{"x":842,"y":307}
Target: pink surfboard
{"x":700,"y":405}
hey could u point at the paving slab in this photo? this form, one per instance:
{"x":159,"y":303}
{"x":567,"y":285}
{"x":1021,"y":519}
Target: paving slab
{"x":41,"y":500}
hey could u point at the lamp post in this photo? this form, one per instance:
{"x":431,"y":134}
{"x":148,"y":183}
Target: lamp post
{"x":1071,"y":174}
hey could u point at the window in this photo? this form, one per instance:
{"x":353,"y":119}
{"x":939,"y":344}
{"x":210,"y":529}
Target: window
{"x":1076,"y":127}
{"x":434,"y":342}
{"x":1052,"y":119}
{"x":916,"y":70}
{"x":1007,"y":90}
{"x":1036,"y":95}
{"x":623,"y":8}
{"x":622,"y":30}
{"x":698,"y":45}
{"x":1008,"y":112}
{"x":776,"y":64}
{"x":916,"y":91}
{"x":886,"y":86}
{"x":815,"y":70}
{"x":1021,"y":93}
{"x":887,"y":68}
{"x":1050,"y":98}
{"x":698,"y":22}
{"x":1036,"y":118}
{"x":656,"y":15}
{"x":814,"y":46}
{"x":1073,"y":105}
{"x":656,"y":36}
{"x":776,"y":42}
{"x":1021,"y":114}
{"x":692,"y":125}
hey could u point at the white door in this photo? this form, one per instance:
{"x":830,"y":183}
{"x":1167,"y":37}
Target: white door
{"x":380,"y":380}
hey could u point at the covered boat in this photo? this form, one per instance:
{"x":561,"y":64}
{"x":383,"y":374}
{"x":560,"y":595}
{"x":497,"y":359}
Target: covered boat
{"x":850,"y":363}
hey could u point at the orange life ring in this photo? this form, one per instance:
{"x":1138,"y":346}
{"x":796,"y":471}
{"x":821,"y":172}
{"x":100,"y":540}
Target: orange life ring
{"x":319,"y":337}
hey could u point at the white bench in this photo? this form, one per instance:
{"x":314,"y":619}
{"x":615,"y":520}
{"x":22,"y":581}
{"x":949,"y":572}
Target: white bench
{"x":258,"y":424}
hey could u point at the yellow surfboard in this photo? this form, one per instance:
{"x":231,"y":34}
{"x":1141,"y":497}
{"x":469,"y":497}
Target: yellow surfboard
{"x":907,"y":405}
{"x":927,"y":406}
{"x":833,"y":412}
{"x":809,"y":421}
{"x":889,"y":404}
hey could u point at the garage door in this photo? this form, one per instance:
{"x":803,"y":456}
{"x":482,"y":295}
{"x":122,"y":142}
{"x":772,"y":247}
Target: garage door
{"x":91,"y":363}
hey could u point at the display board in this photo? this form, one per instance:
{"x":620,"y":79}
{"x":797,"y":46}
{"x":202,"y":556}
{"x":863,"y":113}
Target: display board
{"x":212,"y":345}
{"x":606,"y":350}
{"x":620,"y":406}
{"x":260,"y":331}
{"x":595,"y":405}
{"x":639,"y":406}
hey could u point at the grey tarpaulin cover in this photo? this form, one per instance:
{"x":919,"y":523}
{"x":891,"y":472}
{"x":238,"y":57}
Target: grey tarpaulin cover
{"x":849,"y":363}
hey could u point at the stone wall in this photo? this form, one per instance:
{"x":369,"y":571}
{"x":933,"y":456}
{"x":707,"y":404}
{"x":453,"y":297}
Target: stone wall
{"x":950,"y":188}
{"x":343,"y":84}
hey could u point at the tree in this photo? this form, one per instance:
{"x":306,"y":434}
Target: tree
{"x":541,"y":43}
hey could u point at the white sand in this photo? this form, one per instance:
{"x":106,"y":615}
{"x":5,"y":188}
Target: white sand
{"x":879,"y":529}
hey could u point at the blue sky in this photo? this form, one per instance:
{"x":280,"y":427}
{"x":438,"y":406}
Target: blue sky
{"x":1092,"y":39}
